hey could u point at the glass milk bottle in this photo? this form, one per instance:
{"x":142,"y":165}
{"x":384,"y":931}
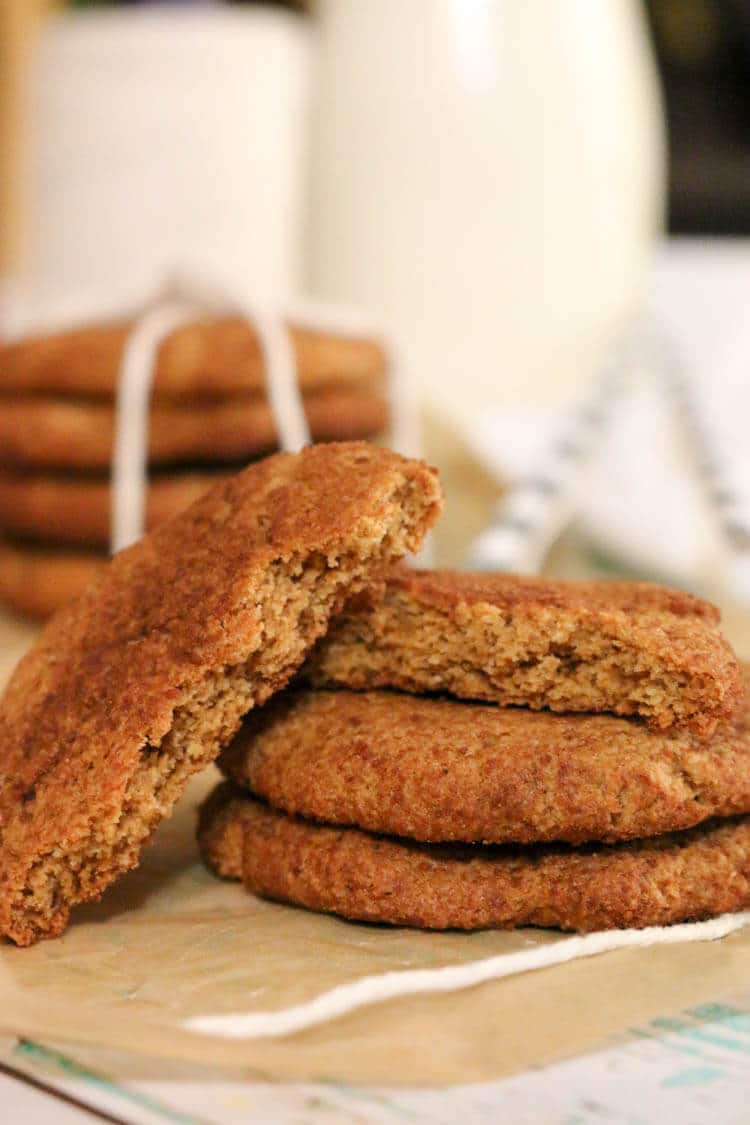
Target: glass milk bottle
{"x":487,"y":178}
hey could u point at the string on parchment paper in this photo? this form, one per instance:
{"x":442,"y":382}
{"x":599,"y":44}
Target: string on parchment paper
{"x":184,"y":299}
{"x":379,"y":987}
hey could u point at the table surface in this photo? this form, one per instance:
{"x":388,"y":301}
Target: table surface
{"x":691,"y":1068}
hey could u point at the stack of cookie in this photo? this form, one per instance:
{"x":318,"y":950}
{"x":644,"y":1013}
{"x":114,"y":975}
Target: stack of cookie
{"x":209,"y":414}
{"x":487,"y":751}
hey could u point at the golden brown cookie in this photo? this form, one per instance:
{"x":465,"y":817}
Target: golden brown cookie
{"x":213,"y":358}
{"x":76,"y":510}
{"x":142,"y":680}
{"x":442,"y":770}
{"x":630,"y":648}
{"x":51,"y":433}
{"x":221,"y":821}
{"x":680,"y":877}
{"x":36,"y":581}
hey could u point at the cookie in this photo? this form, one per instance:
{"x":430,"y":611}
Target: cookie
{"x":76,"y":510}
{"x":683,"y":876}
{"x":630,"y":648}
{"x":442,"y":770}
{"x":36,"y":581}
{"x":142,"y":680}
{"x":51,"y":433}
{"x":221,"y":829}
{"x":214,"y":357}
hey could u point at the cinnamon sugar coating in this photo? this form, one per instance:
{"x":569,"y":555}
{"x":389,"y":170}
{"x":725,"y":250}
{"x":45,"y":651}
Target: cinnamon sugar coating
{"x":141,"y":681}
{"x":629,"y":648}
{"x":683,"y":876}
{"x":442,"y":770}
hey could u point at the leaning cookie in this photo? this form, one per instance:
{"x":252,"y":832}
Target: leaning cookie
{"x":60,"y":434}
{"x":74,"y":509}
{"x":680,"y":877}
{"x":629,"y":648}
{"x":143,"y":679}
{"x":442,"y":770}
{"x":216,"y":357}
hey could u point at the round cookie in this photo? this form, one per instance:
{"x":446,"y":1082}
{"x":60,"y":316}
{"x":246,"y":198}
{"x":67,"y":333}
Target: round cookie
{"x":442,"y":770}
{"x":626,"y":648}
{"x":680,"y":877}
{"x":57,"y":433}
{"x":140,"y":681}
{"x":76,"y":510}
{"x":36,"y":581}
{"x":216,"y":357}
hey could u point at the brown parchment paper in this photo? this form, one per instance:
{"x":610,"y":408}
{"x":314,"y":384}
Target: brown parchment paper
{"x":171,"y":941}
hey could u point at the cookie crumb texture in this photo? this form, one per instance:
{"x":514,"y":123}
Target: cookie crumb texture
{"x":443,"y":770}
{"x":680,"y":877}
{"x":629,"y":648}
{"x":141,"y":681}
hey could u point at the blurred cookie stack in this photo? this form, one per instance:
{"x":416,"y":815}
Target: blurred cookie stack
{"x":209,"y":415}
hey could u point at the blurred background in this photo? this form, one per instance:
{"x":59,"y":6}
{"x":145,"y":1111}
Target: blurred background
{"x":543,"y":205}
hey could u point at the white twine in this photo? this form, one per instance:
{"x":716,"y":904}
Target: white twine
{"x":401,"y":388}
{"x":130,"y":446}
{"x":376,"y":989}
{"x":181,"y":301}
{"x":183,"y":298}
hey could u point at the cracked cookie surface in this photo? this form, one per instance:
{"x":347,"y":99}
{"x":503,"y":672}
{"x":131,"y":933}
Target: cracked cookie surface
{"x":629,"y":648}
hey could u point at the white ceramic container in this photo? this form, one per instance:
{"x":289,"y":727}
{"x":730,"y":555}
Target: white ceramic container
{"x":487,"y":177}
{"x":164,"y":135}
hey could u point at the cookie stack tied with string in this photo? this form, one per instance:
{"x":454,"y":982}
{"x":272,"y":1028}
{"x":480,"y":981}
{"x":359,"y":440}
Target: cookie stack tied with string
{"x":209,"y":414}
{"x":469,"y":751}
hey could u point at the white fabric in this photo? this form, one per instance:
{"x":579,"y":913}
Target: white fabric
{"x":542,"y":502}
{"x":386,"y":986}
{"x":649,"y":472}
